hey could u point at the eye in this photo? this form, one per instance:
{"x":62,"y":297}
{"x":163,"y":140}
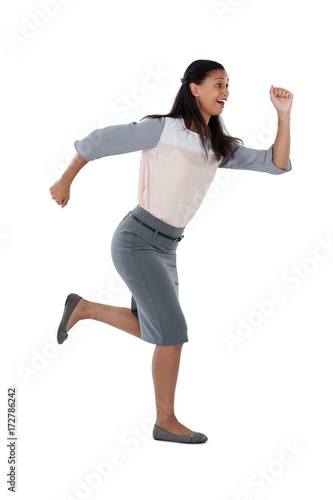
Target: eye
{"x":219,"y":85}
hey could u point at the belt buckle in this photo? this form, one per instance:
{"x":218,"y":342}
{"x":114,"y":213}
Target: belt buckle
{"x":177,"y":240}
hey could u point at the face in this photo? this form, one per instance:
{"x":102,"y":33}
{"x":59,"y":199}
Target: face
{"x":212,"y":93}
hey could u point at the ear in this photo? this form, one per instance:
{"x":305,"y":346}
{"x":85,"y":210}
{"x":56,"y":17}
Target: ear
{"x":194,"y":89}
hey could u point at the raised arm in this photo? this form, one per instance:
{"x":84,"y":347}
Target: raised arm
{"x":282,"y":100}
{"x":275,"y":159}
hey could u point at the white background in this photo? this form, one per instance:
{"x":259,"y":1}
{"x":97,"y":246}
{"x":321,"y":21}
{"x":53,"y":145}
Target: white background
{"x":82,"y":66}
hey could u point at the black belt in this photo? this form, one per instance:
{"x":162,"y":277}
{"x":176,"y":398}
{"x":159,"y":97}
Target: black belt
{"x":155,"y":230}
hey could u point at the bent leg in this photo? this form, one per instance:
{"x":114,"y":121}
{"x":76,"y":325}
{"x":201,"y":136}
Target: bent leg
{"x":118,"y":317}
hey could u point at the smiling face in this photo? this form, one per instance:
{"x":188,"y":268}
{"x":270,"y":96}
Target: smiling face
{"x":212,"y":93}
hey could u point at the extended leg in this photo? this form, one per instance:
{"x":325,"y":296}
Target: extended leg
{"x":165,"y":368}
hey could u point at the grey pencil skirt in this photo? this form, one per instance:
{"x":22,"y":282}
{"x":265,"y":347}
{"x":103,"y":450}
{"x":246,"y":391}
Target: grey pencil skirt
{"x":146,"y":261}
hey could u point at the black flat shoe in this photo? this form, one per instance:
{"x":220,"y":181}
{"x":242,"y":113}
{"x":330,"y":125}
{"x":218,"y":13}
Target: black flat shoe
{"x":70,"y":304}
{"x":162,"y":435}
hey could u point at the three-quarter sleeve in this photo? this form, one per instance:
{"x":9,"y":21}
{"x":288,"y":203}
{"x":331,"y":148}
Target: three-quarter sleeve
{"x":119,"y":139}
{"x":260,"y":160}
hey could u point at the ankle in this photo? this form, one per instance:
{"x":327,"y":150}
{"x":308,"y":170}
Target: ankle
{"x":165,"y":420}
{"x":86,"y":309}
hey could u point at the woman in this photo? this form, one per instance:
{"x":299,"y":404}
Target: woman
{"x":180,"y":154}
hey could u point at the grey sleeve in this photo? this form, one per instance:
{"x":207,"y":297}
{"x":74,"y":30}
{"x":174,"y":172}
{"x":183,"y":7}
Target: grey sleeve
{"x":119,"y":139}
{"x":259,"y":160}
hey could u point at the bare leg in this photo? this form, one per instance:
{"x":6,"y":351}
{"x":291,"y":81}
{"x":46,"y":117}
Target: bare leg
{"x":165,"y":367}
{"x":118,"y":317}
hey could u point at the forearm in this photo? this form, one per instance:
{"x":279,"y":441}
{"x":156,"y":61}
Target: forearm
{"x":73,"y":169}
{"x":281,"y":147}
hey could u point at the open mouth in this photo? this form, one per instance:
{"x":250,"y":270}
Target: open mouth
{"x":221,"y":102}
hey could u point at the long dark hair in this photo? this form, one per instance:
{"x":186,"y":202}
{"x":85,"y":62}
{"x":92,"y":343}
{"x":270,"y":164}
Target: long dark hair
{"x":214,"y":134}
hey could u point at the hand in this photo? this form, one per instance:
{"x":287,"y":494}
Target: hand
{"x":281,"y":98}
{"x":60,"y":192}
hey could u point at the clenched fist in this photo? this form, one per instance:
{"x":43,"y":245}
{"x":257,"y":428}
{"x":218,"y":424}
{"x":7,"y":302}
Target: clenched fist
{"x":281,"y":98}
{"x":60,"y":192}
